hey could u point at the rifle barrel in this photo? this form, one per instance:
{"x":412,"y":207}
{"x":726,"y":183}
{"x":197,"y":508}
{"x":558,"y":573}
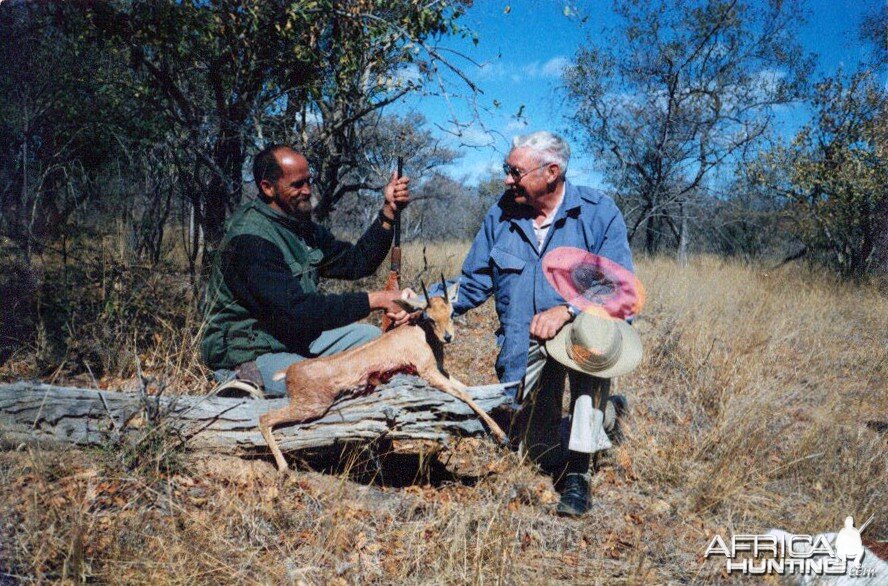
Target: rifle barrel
{"x":397,"y":223}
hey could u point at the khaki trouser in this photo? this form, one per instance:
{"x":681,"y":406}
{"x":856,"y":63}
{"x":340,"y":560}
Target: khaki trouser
{"x":538,"y":424}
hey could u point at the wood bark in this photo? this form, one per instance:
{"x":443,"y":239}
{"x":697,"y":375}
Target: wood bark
{"x":405,"y":408}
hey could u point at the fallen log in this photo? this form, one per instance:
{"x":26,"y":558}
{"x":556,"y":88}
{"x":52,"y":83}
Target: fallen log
{"x":405,"y":408}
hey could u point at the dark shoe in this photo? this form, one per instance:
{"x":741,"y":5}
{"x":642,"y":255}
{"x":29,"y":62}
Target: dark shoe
{"x":616,"y":408}
{"x":249,"y":372}
{"x":575,"y":495}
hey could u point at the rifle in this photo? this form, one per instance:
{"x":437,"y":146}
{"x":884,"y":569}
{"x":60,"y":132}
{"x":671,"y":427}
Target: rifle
{"x":393,"y":283}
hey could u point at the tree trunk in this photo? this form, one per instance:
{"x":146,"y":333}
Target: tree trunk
{"x":880,"y":246}
{"x":195,"y":244}
{"x":22,"y":219}
{"x":682,"y":236}
{"x":224,"y":191}
{"x":328,"y":181}
{"x":652,"y":235}
{"x":404,"y":408}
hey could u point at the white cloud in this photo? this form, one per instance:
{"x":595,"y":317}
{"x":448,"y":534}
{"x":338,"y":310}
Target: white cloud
{"x":491,"y":70}
{"x":472,"y":135}
{"x":313,"y":117}
{"x":546,"y":70}
{"x":517,"y":125}
{"x":478,"y":166}
{"x":769,"y":79}
{"x":551,"y":69}
{"x":554,"y":66}
{"x":404,"y":76}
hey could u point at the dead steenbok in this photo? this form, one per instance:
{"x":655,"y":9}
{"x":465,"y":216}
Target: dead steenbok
{"x":313,"y":385}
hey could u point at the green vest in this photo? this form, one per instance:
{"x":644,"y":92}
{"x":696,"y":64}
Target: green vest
{"x":231,"y":335}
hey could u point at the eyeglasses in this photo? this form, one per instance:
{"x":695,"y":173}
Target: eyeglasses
{"x":516,"y":174}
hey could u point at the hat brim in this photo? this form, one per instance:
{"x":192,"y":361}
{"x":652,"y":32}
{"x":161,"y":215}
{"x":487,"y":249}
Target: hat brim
{"x":608,"y":285}
{"x":629,"y":359}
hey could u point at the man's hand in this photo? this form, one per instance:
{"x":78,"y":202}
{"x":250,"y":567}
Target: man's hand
{"x":397,"y":195}
{"x":547,"y":323}
{"x":383,"y":300}
{"x":401,"y":317}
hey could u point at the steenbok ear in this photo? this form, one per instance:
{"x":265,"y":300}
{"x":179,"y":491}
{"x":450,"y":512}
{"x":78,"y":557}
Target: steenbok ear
{"x":453,"y":292}
{"x":410,"y":305}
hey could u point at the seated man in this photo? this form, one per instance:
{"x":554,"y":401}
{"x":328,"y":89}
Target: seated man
{"x":541,"y":211}
{"x":263,"y":308}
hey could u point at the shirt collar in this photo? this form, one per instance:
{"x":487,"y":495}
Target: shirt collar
{"x":572,"y":199}
{"x":551,"y":217}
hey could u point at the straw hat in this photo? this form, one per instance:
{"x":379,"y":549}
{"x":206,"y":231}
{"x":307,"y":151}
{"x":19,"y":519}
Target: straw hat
{"x":597,"y":344}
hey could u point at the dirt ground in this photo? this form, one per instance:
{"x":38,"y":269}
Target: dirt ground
{"x":757,"y":405}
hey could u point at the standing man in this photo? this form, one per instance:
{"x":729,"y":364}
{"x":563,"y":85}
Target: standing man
{"x":263,"y":308}
{"x":541,"y":211}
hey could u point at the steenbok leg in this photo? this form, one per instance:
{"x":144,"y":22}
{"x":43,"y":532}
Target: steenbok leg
{"x":457,"y":389}
{"x":292,"y":413}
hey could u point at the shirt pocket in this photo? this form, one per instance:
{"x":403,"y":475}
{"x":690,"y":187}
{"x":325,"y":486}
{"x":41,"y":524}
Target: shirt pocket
{"x":507,"y":269}
{"x":305,"y":268}
{"x":506,"y":261}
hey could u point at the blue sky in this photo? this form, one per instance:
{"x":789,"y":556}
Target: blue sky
{"x":524,"y":44}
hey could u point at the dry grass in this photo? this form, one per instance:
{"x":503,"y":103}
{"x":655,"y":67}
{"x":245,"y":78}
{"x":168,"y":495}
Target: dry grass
{"x":748,"y":412}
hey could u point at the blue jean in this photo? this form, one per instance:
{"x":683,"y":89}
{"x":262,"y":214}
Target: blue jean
{"x":328,"y":343}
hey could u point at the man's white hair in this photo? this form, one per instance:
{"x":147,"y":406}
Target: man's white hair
{"x":550,"y":148}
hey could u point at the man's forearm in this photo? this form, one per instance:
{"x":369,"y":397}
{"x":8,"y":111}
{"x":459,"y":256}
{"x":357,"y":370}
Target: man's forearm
{"x":373,"y":246}
{"x":310,"y":315}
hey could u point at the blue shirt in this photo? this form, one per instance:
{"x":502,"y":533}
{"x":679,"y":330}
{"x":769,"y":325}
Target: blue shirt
{"x":505,"y":262}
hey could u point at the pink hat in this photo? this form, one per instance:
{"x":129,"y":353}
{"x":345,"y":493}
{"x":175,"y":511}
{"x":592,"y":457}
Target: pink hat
{"x":591,"y":282}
